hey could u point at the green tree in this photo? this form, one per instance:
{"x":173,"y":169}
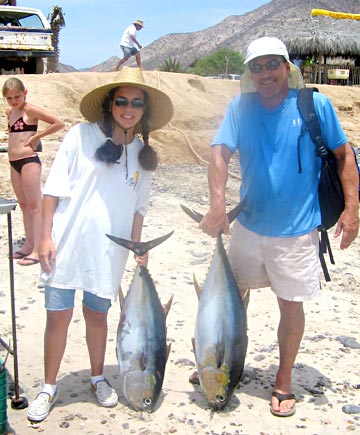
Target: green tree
{"x":222,"y":61}
{"x":171,"y":65}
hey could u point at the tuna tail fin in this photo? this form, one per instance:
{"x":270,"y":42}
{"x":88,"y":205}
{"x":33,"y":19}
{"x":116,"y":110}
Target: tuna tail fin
{"x":232,"y":215}
{"x":140,"y":248}
{"x":192,"y":213}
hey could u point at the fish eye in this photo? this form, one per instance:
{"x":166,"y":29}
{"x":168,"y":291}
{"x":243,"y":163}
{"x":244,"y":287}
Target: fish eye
{"x":220,"y":398}
{"x":147,"y":402}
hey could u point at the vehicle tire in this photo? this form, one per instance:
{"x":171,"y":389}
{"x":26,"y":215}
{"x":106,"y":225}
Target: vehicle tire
{"x":30,"y":66}
{"x":39,"y":65}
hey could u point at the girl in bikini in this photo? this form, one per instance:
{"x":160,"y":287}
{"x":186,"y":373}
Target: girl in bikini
{"x":25,"y":164}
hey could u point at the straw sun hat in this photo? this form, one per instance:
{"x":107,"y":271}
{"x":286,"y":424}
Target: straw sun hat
{"x":160,"y":105}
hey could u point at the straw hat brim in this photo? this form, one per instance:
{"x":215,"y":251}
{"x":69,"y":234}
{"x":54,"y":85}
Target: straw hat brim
{"x":160,"y":105}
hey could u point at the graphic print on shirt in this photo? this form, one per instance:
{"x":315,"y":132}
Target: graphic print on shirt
{"x":296,"y":122}
{"x":133,"y":181}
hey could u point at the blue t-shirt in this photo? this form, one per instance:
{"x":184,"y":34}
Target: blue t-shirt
{"x":281,"y":200}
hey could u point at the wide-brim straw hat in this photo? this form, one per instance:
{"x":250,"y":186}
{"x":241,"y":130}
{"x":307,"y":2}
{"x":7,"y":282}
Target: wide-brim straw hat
{"x":265,"y":46}
{"x":160,"y":106}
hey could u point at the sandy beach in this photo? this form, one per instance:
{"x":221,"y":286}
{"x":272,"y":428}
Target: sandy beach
{"x":326,"y":376}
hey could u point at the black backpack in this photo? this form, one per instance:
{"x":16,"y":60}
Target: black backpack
{"x":331,"y":197}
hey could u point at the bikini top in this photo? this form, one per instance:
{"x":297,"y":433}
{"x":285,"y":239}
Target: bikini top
{"x":20,"y":126}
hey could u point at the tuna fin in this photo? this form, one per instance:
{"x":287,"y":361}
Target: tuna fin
{"x":232,"y":215}
{"x":192,"y":213}
{"x":168,"y":305}
{"x":121,"y":297}
{"x":197,"y":287}
{"x":143,"y":361}
{"x":168,"y":349}
{"x":140,"y":248}
{"x":246,"y":298}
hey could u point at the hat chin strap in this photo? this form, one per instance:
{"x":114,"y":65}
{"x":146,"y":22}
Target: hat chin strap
{"x":125,"y":146}
{"x":125,"y":130}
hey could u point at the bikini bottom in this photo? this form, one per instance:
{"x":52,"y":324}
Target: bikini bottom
{"x":18,"y":164}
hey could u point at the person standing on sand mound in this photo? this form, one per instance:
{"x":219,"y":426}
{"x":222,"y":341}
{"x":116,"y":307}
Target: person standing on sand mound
{"x":127,"y":44}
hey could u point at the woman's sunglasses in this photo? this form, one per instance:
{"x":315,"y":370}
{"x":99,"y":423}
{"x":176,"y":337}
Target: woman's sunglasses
{"x":136,"y":103}
{"x":272,"y":65}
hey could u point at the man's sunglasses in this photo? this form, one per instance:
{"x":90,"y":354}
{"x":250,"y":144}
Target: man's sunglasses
{"x":272,"y":65}
{"x":136,"y":103}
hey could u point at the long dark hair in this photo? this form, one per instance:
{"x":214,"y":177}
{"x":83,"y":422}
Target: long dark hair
{"x":110,"y":152}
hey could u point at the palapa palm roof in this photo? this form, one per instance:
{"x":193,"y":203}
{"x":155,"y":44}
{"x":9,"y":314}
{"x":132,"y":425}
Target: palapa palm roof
{"x":289,"y":20}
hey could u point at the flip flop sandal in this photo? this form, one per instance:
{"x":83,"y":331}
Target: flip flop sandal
{"x":18,"y":255}
{"x":28,"y":261}
{"x":281,"y":398}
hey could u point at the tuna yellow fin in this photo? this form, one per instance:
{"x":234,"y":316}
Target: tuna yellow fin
{"x":246,"y":298}
{"x":168,"y":349}
{"x":197,"y":287}
{"x":168,"y":305}
{"x":121,"y":297}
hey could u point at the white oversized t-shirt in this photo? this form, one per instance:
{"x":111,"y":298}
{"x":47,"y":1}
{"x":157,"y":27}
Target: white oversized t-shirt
{"x":95,"y":199}
{"x":126,"y":40}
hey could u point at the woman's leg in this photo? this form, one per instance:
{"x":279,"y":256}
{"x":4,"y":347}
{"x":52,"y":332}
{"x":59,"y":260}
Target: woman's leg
{"x":95,"y":311}
{"x":57,"y":324}
{"x":96,"y":336}
{"x":20,"y":195}
{"x":30,"y":181}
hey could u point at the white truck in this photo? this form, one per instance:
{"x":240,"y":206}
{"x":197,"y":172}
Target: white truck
{"x":25,"y":39}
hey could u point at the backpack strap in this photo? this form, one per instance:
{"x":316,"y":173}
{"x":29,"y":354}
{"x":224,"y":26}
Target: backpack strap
{"x":305,"y":103}
{"x":306,"y":107}
{"x":324,"y":247}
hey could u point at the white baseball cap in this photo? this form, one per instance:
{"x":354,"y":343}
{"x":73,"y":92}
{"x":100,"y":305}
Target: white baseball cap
{"x":263,"y":47}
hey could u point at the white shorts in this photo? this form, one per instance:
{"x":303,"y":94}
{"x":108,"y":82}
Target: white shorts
{"x":289,"y":265}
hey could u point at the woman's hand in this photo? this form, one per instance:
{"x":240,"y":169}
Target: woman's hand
{"x":47,"y":255}
{"x":142,"y":260}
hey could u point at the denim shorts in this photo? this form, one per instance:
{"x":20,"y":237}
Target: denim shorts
{"x":129,"y":51}
{"x":59,"y":299}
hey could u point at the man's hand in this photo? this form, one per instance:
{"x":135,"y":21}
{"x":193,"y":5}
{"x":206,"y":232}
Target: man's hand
{"x":348,"y":226}
{"x":215,"y":221}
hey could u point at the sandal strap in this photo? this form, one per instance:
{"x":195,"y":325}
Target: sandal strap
{"x":281,"y":397}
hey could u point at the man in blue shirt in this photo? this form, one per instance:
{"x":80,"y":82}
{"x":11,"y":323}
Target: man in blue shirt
{"x":275,"y":239}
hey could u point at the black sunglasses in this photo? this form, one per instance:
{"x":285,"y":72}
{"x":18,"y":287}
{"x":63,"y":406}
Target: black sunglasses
{"x":272,"y":65}
{"x":136,"y":103}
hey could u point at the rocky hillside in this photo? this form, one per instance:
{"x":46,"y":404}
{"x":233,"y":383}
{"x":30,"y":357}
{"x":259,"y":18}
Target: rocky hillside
{"x":283,"y":18}
{"x":236,"y":32}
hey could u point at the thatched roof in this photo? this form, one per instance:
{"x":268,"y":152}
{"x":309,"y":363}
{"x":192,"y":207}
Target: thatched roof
{"x":326,"y":36}
{"x":289,"y":20}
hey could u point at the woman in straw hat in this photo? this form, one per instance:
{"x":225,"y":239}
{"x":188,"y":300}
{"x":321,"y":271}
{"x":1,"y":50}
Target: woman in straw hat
{"x":99,"y":184}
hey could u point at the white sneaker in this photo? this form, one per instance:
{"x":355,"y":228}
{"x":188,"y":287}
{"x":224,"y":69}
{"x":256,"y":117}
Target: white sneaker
{"x":105,"y":393}
{"x":41,"y":406}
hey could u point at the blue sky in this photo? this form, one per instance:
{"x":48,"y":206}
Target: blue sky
{"x":93,"y":29}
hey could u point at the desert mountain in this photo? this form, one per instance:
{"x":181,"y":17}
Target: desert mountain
{"x":281,"y":18}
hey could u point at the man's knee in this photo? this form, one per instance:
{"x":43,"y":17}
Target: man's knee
{"x":290,"y":308}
